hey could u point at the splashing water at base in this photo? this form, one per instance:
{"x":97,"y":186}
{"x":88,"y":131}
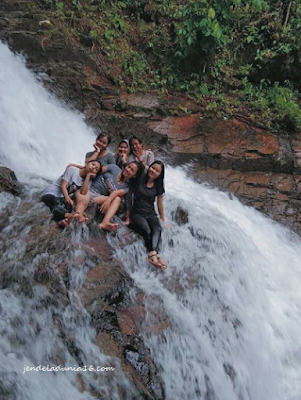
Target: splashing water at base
{"x":222,"y":321}
{"x":230,"y":300}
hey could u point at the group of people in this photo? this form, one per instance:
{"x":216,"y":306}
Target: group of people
{"x":131,"y":176}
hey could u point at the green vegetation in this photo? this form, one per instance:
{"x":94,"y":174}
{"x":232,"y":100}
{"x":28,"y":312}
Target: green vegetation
{"x":228,"y":54}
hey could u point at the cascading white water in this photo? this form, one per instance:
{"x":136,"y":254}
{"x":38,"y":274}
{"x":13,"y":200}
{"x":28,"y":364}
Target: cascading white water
{"x":231,"y":296}
{"x":40,"y":135}
{"x":230,"y":300}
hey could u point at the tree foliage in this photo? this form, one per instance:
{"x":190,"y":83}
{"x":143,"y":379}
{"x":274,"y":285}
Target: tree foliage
{"x":248,"y":50}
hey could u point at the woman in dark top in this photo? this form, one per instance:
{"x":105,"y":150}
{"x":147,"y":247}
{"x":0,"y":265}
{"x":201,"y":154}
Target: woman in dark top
{"x":142,"y":216}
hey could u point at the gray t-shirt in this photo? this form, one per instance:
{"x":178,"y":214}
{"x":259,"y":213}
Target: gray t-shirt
{"x":105,"y":160}
{"x":106,"y":183}
{"x":71,"y":175}
{"x":147,"y":158}
{"x":110,"y":178}
{"x":98,"y":187}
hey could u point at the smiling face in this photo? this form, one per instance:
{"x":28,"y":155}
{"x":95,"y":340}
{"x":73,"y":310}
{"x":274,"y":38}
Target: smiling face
{"x":123,"y":148}
{"x":136,"y":146}
{"x":93,"y":167}
{"x":102,"y":143}
{"x":130,"y":171}
{"x":154,"y":171}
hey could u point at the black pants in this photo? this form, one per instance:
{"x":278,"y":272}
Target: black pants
{"x":149,"y":228}
{"x":57,"y":205}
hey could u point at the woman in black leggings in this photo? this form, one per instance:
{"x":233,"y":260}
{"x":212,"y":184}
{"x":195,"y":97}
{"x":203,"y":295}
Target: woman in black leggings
{"x":143,"y":217}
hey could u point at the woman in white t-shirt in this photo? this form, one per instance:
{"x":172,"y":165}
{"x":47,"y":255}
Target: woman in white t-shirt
{"x":137,"y":153}
{"x":58,"y":196}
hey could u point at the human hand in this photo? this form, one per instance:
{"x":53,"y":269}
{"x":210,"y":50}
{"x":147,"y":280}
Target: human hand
{"x":127,"y":221}
{"x":69,"y":201}
{"x":90,"y":175}
{"x":105,"y":206}
{"x":166,"y":224}
{"x":96,"y":147}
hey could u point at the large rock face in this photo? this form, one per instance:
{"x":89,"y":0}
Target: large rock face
{"x":260,"y":168}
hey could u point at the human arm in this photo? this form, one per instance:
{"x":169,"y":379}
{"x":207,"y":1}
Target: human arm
{"x":106,"y":204}
{"x":64,"y":189}
{"x":84,"y":189}
{"x":147,"y":159}
{"x":75,"y":165}
{"x":91,"y":156}
{"x":129,"y":207}
{"x":160,"y":205}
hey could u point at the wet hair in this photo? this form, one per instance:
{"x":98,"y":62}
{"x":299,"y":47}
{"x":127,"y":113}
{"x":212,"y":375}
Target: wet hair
{"x":100,"y":169}
{"x":159,"y":181}
{"x":105,"y":135}
{"x":131,"y":141}
{"x":137,"y":177}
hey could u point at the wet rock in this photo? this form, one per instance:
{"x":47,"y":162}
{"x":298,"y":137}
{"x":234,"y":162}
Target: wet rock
{"x":230,"y":372}
{"x":9,"y":182}
{"x":181,"y":216}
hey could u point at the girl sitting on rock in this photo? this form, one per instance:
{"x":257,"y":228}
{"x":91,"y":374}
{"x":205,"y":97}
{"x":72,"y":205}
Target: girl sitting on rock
{"x":106,"y":190}
{"x":142,"y":216}
{"x":59,"y":196}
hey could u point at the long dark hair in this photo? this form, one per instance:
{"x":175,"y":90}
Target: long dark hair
{"x":131,"y":141}
{"x":159,"y":181}
{"x":137,"y":177}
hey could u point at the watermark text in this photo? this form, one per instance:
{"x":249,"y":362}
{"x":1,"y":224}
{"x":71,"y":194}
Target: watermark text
{"x":59,"y":368}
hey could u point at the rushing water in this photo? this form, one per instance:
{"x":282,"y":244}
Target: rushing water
{"x":222,"y":322}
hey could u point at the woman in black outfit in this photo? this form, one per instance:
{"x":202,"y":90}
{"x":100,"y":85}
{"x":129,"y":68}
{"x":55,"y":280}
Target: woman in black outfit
{"x":143,"y":217}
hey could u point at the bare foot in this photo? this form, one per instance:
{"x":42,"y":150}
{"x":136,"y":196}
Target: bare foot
{"x":80,"y":217}
{"x":162,"y":263}
{"x":108,"y":226}
{"x":155,"y":259}
{"x":70,"y":216}
{"x":64,"y":223}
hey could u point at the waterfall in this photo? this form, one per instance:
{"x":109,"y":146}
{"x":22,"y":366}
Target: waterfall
{"x":41,"y":136}
{"x":222,"y":322}
{"x":230,"y":298}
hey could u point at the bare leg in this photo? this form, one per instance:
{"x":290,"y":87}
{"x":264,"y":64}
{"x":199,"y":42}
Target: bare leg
{"x":106,"y":223}
{"x":82,"y":201}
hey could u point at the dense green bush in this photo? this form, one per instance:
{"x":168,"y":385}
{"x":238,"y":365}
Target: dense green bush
{"x":231,"y":51}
